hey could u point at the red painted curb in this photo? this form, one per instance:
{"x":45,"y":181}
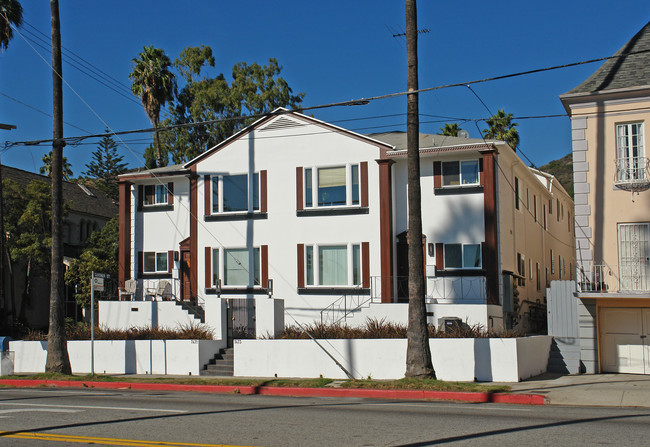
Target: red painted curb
{"x":476,"y":397}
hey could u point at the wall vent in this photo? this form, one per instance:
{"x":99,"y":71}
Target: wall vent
{"x":281,"y":123}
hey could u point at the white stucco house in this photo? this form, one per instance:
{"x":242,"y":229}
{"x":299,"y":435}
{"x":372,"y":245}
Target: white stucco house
{"x":315,"y":215}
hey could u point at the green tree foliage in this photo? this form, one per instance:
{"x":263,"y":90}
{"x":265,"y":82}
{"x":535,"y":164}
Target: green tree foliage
{"x":11,"y":14}
{"x":154,"y":84}
{"x":105,"y":166}
{"x":47,"y":167}
{"x":450,"y":130}
{"x":502,"y":128}
{"x":100,"y":255}
{"x":254,"y":89}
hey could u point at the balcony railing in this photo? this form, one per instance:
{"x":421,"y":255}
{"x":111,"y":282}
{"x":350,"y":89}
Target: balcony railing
{"x":456,"y":289}
{"x":633,"y":278}
{"x":632,"y":173}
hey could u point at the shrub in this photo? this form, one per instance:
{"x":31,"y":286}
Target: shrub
{"x":81,"y":331}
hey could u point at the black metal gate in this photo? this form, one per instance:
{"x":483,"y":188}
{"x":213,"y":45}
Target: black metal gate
{"x":241,"y":319}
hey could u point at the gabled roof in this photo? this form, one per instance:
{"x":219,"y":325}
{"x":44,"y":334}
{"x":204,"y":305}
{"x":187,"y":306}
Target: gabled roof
{"x":625,"y":72}
{"x":293,"y":114}
{"x":397,"y":139}
{"x":90,"y":201}
{"x":165,"y":171}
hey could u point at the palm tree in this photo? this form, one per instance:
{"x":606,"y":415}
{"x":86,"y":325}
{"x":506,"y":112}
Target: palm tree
{"x":46,"y":169}
{"x":154,"y":84}
{"x":503,"y":129}
{"x":450,"y":130}
{"x":11,"y":14}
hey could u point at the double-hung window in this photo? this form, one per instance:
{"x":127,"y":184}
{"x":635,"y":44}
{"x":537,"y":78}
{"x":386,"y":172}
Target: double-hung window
{"x":333,"y":265}
{"x":460,"y":173}
{"x":462,"y":256}
{"x":332,"y":186}
{"x":154,"y":262}
{"x":155,"y":195}
{"x":236,"y":267}
{"x":630,"y":153}
{"x":235,"y":193}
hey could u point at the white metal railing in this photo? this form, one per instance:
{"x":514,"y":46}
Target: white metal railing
{"x":451,"y":288}
{"x":146,"y":286}
{"x":345,"y":306}
{"x":632,"y":171}
{"x":613,"y":278}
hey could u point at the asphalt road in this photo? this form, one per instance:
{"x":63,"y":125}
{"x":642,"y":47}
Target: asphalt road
{"x":56,"y":417}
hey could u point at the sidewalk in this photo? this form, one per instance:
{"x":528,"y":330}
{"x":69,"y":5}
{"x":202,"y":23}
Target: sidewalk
{"x":615,"y":390}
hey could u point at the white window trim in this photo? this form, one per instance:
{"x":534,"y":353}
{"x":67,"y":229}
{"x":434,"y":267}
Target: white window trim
{"x":155,"y":270}
{"x":460,"y":174}
{"x":221,"y":273}
{"x":350,"y":267}
{"x":462,"y":256}
{"x":155,"y":195}
{"x":249,"y":181}
{"x":314,"y":186}
{"x":632,"y":173}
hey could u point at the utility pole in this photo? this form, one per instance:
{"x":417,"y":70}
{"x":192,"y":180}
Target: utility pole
{"x":418,"y":353}
{"x":57,"y":346}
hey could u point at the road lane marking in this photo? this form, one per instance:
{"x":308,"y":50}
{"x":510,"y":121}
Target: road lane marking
{"x":93,"y":407}
{"x":44,"y":410}
{"x":104,"y":441}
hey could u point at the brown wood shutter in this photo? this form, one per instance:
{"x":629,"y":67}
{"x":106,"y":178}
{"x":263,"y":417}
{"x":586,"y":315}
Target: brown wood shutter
{"x":440,"y":256}
{"x":208,"y":267}
{"x":365,"y":265}
{"x":483,"y":255}
{"x":170,"y":261}
{"x":437,"y":174}
{"x":480,"y":172}
{"x":170,"y":193}
{"x":263,"y":192}
{"x":299,"y":189}
{"x":140,"y":197}
{"x":363,"y":180}
{"x":207,"y":192}
{"x":140,"y":264}
{"x":301,"y":266}
{"x":264,"y":255}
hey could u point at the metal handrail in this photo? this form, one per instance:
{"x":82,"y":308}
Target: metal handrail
{"x":346,"y":304}
{"x":632,"y":171}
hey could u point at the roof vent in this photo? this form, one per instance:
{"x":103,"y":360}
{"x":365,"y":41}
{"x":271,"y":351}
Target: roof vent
{"x":86,"y":190}
{"x":281,"y":123}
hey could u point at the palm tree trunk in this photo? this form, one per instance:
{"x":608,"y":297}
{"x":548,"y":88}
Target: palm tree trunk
{"x":157,"y":151}
{"x":418,"y":353}
{"x":57,"y":347}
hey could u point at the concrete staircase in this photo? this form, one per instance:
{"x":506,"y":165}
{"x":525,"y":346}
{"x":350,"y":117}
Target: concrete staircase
{"x":564,"y":356}
{"x":196,"y":311}
{"x":222,"y":364}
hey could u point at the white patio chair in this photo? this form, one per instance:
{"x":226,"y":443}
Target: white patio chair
{"x":162,"y":290}
{"x":129,"y":289}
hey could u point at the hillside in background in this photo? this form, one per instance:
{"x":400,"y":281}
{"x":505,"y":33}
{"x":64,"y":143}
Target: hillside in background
{"x":562,"y":169}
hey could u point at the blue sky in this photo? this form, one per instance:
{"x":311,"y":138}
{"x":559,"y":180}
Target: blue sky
{"x":332,"y":51}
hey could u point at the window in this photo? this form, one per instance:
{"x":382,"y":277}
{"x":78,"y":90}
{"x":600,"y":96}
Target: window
{"x":550,"y":206}
{"x":527,"y":199}
{"x":460,"y":173}
{"x":458,"y":256}
{"x":333,"y":265}
{"x":557,"y":210}
{"x":155,"y":262}
{"x":332,"y":186}
{"x":530,"y":269}
{"x":521,"y":269}
{"x":235,"y":267}
{"x":230,"y":193}
{"x":535,"y":207}
{"x":516,"y":193}
{"x":630,"y":152}
{"x":155,"y":195}
{"x":539,"y":280}
{"x":552,"y":264}
{"x":545,"y":216}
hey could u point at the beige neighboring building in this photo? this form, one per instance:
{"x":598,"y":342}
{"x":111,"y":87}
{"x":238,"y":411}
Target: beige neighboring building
{"x":610,"y":113}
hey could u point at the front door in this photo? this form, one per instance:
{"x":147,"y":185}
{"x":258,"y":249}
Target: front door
{"x":403,"y":266}
{"x":634,"y":257}
{"x":186,"y":284}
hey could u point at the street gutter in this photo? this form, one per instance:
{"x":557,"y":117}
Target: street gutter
{"x":459,"y":396}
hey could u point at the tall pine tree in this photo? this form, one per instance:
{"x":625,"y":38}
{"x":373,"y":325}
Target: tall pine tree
{"x":106,"y":166}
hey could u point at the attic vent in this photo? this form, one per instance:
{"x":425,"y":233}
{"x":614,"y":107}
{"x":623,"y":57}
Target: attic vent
{"x":86,"y":190}
{"x":281,"y":123}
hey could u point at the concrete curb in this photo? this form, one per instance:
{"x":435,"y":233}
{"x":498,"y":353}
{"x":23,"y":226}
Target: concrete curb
{"x":475,"y":397}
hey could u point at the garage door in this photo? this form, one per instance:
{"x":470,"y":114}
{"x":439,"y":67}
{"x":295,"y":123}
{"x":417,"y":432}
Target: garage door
{"x":624,"y":340}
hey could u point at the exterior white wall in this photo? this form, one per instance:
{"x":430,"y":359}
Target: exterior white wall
{"x":279,"y":152}
{"x":174,"y":357}
{"x":466,"y":360}
{"x":123,"y":315}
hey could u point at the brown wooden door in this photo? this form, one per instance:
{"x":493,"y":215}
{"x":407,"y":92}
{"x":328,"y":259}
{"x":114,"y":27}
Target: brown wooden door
{"x":186,"y":284}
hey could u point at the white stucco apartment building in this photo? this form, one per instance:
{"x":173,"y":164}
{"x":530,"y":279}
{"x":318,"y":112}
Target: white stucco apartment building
{"x":316,"y":215}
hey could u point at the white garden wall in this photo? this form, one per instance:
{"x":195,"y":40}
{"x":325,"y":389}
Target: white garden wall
{"x":123,"y":315}
{"x":176,"y":357}
{"x":495,"y":359}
